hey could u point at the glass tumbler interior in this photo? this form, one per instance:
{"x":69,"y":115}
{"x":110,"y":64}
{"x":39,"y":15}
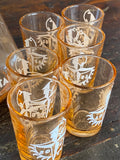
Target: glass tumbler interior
{"x":28,"y":62}
{"x":83,"y":13}
{"x":41,"y":21}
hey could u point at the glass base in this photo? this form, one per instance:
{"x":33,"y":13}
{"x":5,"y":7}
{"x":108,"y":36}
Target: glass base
{"x":79,"y":133}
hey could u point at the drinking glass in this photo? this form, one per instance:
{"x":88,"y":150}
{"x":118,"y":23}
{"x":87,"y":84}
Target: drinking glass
{"x":90,"y":79}
{"x":40,"y":29}
{"x":28,"y":62}
{"x":79,"y":39}
{"x":7,"y":45}
{"x":86,"y":13}
{"x":38,"y":108}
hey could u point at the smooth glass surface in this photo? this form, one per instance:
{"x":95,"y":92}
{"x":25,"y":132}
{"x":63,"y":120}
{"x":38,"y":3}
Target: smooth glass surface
{"x":90,"y":79}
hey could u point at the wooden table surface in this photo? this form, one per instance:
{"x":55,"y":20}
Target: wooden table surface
{"x":106,"y":144}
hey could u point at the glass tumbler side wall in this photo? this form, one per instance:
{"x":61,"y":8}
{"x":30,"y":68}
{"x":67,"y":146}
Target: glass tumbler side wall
{"x":90,"y":79}
{"x":38,"y":108}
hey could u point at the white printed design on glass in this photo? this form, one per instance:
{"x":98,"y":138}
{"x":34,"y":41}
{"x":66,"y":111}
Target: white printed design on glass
{"x":45,"y":40}
{"x":88,"y":16}
{"x":37,"y":61}
{"x":50,"y":24}
{"x":96,"y":117}
{"x":51,"y":149}
{"x":77,"y":37}
{"x":80,"y":74}
{"x":3,"y":82}
{"x":48,"y":40}
{"x":39,"y":108}
{"x":30,"y":42}
{"x":74,"y":51}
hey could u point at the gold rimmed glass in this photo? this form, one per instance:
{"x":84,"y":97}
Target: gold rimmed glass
{"x":90,"y":79}
{"x":79,"y":39}
{"x":38,"y":108}
{"x":40,"y":29}
{"x":86,"y":13}
{"x":29,"y":62}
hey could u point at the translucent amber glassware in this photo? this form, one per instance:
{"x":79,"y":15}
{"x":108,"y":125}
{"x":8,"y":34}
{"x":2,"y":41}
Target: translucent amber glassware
{"x":85,"y":13}
{"x":40,"y":29}
{"x":79,"y":39}
{"x":38,"y":108}
{"x":90,"y":79}
{"x":31,"y":61}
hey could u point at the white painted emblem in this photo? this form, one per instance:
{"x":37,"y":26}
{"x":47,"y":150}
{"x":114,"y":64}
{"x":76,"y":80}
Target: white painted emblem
{"x":45,"y":40}
{"x":30,"y":40}
{"x":49,"y":39}
{"x":88,"y":16}
{"x":96,"y":117}
{"x":50,"y":24}
{"x":77,"y":37}
{"x":79,"y":73}
{"x":3,"y":82}
{"x":24,"y":67}
{"x":39,"y":108}
{"x":51,"y":149}
{"x":37,"y":61}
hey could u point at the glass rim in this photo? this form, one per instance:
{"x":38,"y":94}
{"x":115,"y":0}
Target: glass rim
{"x":40,"y":120}
{"x":90,"y":5}
{"x":37,"y":73}
{"x":37,"y":13}
{"x":93,"y":87}
{"x":82,"y":26}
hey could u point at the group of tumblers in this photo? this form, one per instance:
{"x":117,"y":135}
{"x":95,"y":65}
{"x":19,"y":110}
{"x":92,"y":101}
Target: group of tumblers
{"x":59,"y":80}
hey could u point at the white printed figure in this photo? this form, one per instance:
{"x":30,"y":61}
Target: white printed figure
{"x":50,"y":24}
{"x":88,"y":16}
{"x":51,"y":149}
{"x":3,"y":82}
{"x":77,"y":37}
{"x":49,"y":39}
{"x":40,"y":107}
{"x":80,"y":74}
{"x":30,"y":40}
{"x":96,"y":117}
{"x":24,"y":66}
{"x":37,"y":61}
